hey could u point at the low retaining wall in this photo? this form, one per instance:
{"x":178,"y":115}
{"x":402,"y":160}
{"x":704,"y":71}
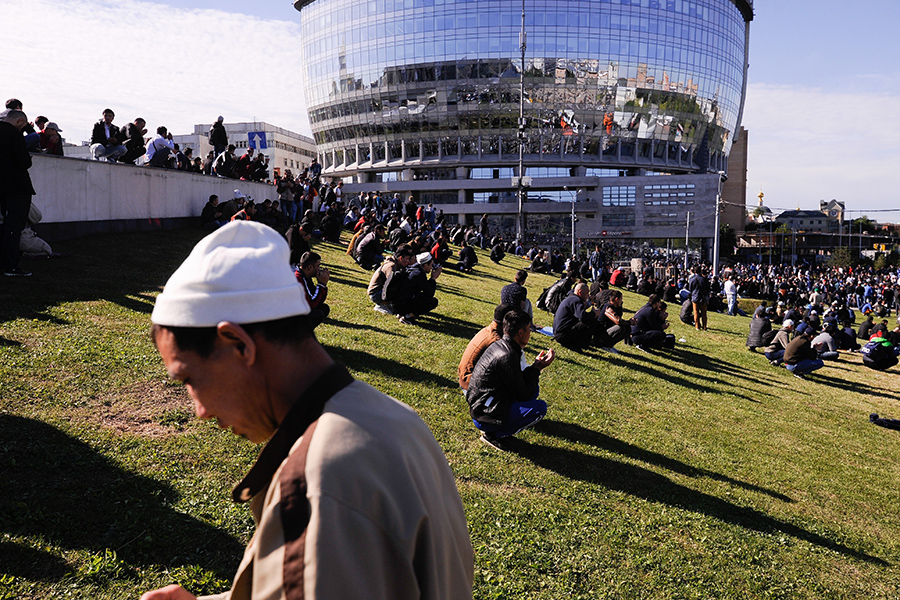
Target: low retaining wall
{"x":80,"y":197}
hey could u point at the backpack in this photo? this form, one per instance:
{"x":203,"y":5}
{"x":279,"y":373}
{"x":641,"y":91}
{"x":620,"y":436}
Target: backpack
{"x":552,"y":297}
{"x":878,"y":350}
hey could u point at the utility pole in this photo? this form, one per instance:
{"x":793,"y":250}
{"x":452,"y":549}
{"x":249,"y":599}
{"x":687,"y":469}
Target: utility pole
{"x":722,"y":177}
{"x":687,"y":237}
{"x":520,"y":219}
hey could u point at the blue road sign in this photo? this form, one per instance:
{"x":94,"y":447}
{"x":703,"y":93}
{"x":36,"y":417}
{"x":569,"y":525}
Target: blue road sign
{"x":257,"y":139}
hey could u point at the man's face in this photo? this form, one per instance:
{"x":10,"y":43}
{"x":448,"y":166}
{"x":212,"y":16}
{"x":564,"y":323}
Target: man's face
{"x":616,"y":301}
{"x":313,"y":269}
{"x":522,"y":336}
{"x":221,"y":386}
{"x":108,"y":117}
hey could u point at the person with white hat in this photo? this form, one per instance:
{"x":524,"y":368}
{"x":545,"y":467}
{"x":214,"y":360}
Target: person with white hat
{"x":352,"y":495}
{"x":416,"y":296}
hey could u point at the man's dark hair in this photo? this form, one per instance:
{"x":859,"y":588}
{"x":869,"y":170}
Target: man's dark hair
{"x":231,"y":147}
{"x":515,"y":321}
{"x":202,"y":340}
{"x":309,"y":258}
{"x":501,"y":311}
{"x":403,"y":251}
{"x":14,"y":104}
{"x":521,"y":276}
{"x":161,"y":130}
{"x":110,"y":111}
{"x":213,"y":197}
{"x":653,"y":299}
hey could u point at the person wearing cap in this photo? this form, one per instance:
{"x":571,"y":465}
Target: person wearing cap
{"x":775,"y":350}
{"x":415,"y":295}
{"x":51,"y":142}
{"x":502,"y":396}
{"x":218,"y":137}
{"x":352,"y":496}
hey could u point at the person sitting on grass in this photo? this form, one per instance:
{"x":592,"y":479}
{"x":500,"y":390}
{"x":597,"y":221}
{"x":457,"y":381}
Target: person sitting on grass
{"x":416,"y":294}
{"x":760,"y":330}
{"x":775,"y":350}
{"x":648,"y":329}
{"x":314,"y":278}
{"x":575,"y":324}
{"x":611,"y":327}
{"x":800,"y":357}
{"x":516,"y":294}
{"x":386,"y":279}
{"x":502,"y":397}
{"x":467,"y":258}
{"x":478,"y":344}
{"x":825,"y":344}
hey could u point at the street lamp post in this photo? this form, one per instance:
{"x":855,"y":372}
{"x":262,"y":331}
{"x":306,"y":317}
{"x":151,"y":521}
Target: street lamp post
{"x":520,"y":219}
{"x":722,"y":177}
{"x":574,"y":218}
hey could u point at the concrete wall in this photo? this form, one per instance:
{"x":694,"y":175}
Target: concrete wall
{"x":79,"y":197}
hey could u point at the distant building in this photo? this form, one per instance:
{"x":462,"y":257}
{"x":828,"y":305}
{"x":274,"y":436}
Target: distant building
{"x":826,"y":220}
{"x":285,"y":149}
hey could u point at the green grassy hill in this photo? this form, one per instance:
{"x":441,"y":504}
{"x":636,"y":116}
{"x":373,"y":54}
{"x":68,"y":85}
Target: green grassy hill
{"x":701,"y":472}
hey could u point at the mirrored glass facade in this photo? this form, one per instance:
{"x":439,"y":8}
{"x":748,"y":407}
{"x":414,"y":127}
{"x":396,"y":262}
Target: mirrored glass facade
{"x":654,"y":84}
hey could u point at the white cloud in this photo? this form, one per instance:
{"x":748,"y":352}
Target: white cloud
{"x":69,"y":59}
{"x":811,"y":144}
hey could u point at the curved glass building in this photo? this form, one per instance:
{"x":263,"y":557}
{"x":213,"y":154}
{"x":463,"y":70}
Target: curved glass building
{"x":425,"y":90}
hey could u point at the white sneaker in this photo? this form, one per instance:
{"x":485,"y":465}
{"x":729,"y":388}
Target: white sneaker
{"x":381,"y":309}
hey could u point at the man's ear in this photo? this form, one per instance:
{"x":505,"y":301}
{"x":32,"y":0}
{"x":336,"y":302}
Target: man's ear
{"x":232,"y":335}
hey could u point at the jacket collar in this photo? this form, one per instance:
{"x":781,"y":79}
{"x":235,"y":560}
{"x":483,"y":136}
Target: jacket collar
{"x":307,"y":409}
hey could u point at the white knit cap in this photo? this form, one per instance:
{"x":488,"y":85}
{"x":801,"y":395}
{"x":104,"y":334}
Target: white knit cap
{"x":423,"y":258}
{"x":239,"y":273}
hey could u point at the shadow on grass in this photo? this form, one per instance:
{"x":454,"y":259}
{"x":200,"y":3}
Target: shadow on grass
{"x":582,"y":435}
{"x":123,"y":269}
{"x":61,"y":490}
{"x":852,"y":386}
{"x":347,"y":325}
{"x":452,"y":326}
{"x":650,"y":486}
{"x":357,"y":360}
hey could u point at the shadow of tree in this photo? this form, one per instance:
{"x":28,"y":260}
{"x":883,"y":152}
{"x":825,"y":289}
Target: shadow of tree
{"x":650,"y":486}
{"x":61,"y":490}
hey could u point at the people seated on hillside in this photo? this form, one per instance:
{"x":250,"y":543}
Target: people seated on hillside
{"x":331,"y":226}
{"x":824,"y":344}
{"x":105,"y":142}
{"x":879,"y":353}
{"x":298,"y":237}
{"x":775,"y":350}
{"x":415,"y":296}
{"x":800,"y":357}
{"x":686,"y":315}
{"x":865,"y":328}
{"x":575,"y":324}
{"x":440,"y":251}
{"x":478,"y":344}
{"x":516,"y":294}
{"x":497,"y":252}
{"x":760,"y":328}
{"x":631,"y":282}
{"x":467,"y":258}
{"x":387,"y":279}
{"x":314,"y":278}
{"x":539,"y":264}
{"x":646,"y":286}
{"x":503,"y":397}
{"x":648,"y":329}
{"x":612,"y":328}
{"x":369,"y":250}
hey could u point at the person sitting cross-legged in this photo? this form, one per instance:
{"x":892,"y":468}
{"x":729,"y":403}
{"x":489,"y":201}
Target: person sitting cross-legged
{"x":575,"y":324}
{"x":648,"y":329}
{"x":503,"y":397}
{"x":478,"y":344}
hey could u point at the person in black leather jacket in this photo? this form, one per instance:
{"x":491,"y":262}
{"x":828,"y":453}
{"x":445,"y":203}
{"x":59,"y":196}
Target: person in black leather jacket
{"x":502,"y":396}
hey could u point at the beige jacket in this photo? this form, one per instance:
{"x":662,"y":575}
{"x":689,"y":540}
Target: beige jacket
{"x":385,"y":520}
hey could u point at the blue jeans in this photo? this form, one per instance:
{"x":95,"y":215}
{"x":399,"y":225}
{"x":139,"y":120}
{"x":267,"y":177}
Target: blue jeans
{"x":777,"y":355}
{"x":111,"y":153}
{"x":806,"y":366}
{"x":521,"y":416}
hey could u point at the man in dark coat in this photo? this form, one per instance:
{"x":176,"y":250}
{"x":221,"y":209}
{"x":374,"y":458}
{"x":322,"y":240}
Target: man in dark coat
{"x":698,"y":285}
{"x":416,"y":294}
{"x":502,"y":397}
{"x":15,"y":190}
{"x":105,"y":142}
{"x":218,"y":137}
{"x":133,"y":140}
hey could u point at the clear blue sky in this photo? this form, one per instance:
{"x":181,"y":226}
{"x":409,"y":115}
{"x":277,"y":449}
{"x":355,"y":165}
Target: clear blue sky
{"x":824,"y":83}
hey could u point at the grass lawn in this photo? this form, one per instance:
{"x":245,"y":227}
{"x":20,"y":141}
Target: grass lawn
{"x":695,"y":473}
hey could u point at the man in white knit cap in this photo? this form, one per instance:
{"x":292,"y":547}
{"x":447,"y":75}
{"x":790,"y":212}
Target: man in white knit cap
{"x":352,"y":495}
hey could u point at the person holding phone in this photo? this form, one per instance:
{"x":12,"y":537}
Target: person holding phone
{"x":502,"y":396}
